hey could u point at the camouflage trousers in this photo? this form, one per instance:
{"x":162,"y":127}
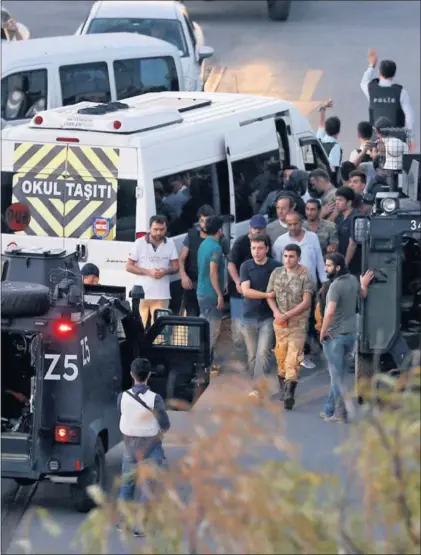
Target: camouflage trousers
{"x":289,"y":350}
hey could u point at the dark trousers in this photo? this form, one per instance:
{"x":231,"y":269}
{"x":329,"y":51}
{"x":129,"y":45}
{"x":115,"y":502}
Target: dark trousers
{"x":189,"y":303}
{"x":311,"y":332}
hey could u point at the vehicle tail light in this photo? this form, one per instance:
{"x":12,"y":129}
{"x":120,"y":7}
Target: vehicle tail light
{"x":38,"y":120}
{"x":63,"y":328}
{"x":117,"y":124}
{"x":67,"y":434}
{"x":67,"y":140}
{"x":140,"y":234}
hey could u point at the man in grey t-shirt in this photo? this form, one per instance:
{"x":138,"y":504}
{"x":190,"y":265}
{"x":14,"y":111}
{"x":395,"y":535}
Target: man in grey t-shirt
{"x":339,"y":329}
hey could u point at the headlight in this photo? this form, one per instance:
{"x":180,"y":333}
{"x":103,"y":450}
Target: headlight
{"x":389,"y":205}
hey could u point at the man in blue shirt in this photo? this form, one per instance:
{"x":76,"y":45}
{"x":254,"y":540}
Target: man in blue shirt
{"x":210,"y":283}
{"x":256,"y":314}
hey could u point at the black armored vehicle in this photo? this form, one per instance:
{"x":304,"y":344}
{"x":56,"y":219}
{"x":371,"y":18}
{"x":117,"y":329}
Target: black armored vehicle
{"x":66,"y":351}
{"x":390,"y":238}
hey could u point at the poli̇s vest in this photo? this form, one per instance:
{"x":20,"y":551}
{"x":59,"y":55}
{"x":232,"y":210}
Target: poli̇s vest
{"x":385,"y":102}
{"x":136,"y":420}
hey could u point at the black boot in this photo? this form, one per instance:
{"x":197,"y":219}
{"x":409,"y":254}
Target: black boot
{"x":281,"y":380}
{"x":289,"y":400}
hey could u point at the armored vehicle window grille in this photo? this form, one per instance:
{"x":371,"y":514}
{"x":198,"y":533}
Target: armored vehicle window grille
{"x":65,"y":284}
{"x":179,"y":336}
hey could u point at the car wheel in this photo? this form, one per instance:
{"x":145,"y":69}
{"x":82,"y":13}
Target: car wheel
{"x":279,"y":10}
{"x":93,"y":475}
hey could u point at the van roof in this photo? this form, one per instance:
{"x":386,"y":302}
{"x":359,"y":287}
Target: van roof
{"x":153,"y":9}
{"x":159,"y":117}
{"x":76,"y":48}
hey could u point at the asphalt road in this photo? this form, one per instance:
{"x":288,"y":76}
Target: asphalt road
{"x":319,"y":53}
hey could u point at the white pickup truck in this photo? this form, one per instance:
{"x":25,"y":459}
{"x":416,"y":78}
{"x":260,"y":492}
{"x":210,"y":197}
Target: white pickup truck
{"x":278,"y":10}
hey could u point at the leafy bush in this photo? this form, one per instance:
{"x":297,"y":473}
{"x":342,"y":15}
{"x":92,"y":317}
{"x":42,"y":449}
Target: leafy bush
{"x":220,"y":499}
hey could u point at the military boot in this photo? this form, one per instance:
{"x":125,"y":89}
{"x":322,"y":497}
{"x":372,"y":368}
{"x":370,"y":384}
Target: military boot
{"x":289,"y":400}
{"x":281,"y":380}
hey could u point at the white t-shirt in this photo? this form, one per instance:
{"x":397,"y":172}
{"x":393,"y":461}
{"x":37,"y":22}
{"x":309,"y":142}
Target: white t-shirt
{"x":148,"y":257}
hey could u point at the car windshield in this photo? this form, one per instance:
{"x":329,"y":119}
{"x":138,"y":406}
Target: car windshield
{"x":169,"y":30}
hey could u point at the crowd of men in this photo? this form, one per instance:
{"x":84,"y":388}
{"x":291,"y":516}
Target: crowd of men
{"x":294,"y":282}
{"x":280,"y":273}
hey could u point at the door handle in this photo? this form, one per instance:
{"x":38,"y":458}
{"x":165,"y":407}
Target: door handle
{"x":82,"y":250}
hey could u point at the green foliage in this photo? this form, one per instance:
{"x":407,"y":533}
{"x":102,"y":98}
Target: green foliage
{"x":213,"y":502}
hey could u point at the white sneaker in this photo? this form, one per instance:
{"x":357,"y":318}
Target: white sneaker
{"x":308,"y":363}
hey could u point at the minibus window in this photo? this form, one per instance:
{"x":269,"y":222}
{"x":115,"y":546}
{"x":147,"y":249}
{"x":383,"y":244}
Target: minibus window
{"x":178,"y":197}
{"x":85,"y":83}
{"x":24,"y":94}
{"x":254,"y":179}
{"x":6,"y":199}
{"x":145,"y":75}
{"x":126,"y":210}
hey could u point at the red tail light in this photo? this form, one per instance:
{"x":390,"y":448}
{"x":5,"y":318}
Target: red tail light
{"x":38,"y":120}
{"x":117,"y":124}
{"x":67,"y":140}
{"x":140,"y":234}
{"x":63,"y":328}
{"x":67,"y":434}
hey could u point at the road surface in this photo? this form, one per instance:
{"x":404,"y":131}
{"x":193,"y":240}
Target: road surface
{"x":319,"y":53}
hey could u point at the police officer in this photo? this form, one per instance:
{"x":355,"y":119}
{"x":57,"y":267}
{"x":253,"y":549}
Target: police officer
{"x":386,"y":98}
{"x":143,"y":422}
{"x":90,"y":274}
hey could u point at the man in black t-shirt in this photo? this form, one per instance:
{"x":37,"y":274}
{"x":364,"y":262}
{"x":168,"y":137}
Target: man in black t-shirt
{"x":256,"y":315}
{"x":188,"y":260}
{"x":345,"y":206}
{"x":240,"y":253}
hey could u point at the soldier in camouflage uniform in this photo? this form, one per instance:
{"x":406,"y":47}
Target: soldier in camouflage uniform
{"x":326,"y":231}
{"x":291,"y":308}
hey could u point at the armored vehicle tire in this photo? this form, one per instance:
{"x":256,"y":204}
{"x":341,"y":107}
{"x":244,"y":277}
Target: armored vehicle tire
{"x":279,"y":10}
{"x":24,"y":481}
{"x":24,"y":299}
{"x":364,"y":372}
{"x":91,"y":476}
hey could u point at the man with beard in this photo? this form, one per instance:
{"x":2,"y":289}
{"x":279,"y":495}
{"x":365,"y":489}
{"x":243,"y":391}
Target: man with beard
{"x":339,"y":330}
{"x":188,"y":260}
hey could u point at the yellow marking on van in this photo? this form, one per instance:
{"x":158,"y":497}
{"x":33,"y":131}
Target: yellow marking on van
{"x":48,"y":217}
{"x":82,"y":216}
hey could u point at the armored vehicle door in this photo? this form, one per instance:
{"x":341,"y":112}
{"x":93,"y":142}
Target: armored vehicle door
{"x":179,"y":351}
{"x":383,"y":240}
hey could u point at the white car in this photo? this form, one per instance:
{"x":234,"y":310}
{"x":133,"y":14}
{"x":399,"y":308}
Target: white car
{"x":163,"y":19}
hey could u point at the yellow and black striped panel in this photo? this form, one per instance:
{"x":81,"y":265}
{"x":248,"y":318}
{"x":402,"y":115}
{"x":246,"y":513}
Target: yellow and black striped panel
{"x":42,"y":159}
{"x":38,"y":169}
{"x":72,"y":192}
{"x":91,"y":182}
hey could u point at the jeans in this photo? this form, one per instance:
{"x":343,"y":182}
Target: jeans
{"x":236,"y":327}
{"x":209,"y":312}
{"x":129,"y":464}
{"x":336,"y":351}
{"x":258,"y":337}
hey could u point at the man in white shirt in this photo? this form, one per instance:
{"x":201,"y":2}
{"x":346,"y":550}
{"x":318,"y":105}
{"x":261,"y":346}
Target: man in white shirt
{"x":328,"y":133}
{"x":153,"y":259}
{"x":387,"y":98}
{"x":311,"y":258}
{"x":364,"y":135}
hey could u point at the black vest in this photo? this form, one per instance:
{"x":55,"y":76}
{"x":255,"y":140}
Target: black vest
{"x":385,"y":102}
{"x":328,"y":147}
